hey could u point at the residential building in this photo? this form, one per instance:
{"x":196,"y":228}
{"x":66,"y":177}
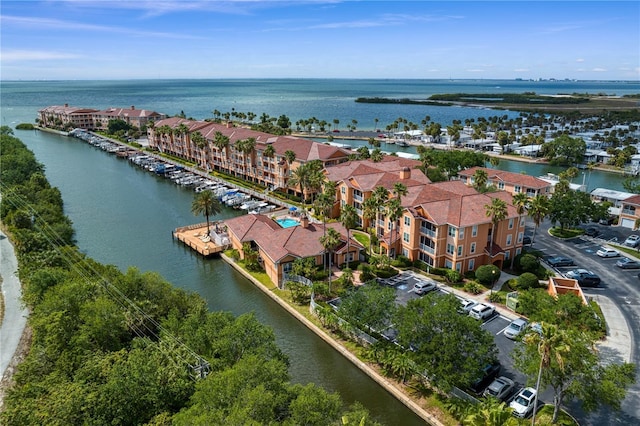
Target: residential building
{"x":630,"y":212}
{"x":442,"y":224}
{"x":132,"y":116}
{"x":513,"y":183}
{"x":223,"y":147}
{"x":279,"y":247}
{"x":446,"y":225}
{"x":66,"y":117}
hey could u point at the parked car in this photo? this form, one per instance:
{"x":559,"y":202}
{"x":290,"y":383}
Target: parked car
{"x":523,"y":403}
{"x":466,"y":305}
{"x":607,"y":252}
{"x":607,"y":221}
{"x":482,"y":311}
{"x":526,"y":240}
{"x":423,"y":287}
{"x":487,"y":375}
{"x":627,"y":263}
{"x":591,"y":231}
{"x":584,"y":277}
{"x":500,"y":388}
{"x":516,"y":327}
{"x":632,"y":241}
{"x":556,"y":261}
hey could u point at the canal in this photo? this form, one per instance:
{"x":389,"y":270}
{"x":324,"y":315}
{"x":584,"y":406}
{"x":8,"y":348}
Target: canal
{"x":124,"y":216}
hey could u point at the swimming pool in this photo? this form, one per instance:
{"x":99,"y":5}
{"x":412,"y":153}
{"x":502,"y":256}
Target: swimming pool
{"x":287,"y":223}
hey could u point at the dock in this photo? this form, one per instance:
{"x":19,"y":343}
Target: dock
{"x":203,"y":243}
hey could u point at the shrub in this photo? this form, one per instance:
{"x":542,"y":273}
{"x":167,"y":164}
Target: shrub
{"x":25,"y":126}
{"x":473,"y":287}
{"x":235,"y":255}
{"x":488,"y":274}
{"x":470,"y":275}
{"x":402,"y":262}
{"x":529,"y":263}
{"x":366,"y":272}
{"x":527,"y":281}
{"x":453,"y":276}
{"x":386,"y":273}
{"x":496,"y":298}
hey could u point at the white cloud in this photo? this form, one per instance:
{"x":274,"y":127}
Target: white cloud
{"x":35,"y":55}
{"x":579,"y":60}
{"x":599,"y":70}
{"x":521,"y":70}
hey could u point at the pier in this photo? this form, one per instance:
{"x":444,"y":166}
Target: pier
{"x":205,"y":244}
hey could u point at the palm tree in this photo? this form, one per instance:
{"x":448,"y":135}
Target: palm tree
{"x":538,"y":210}
{"x":394,"y":212}
{"x":381,"y":196}
{"x":369,"y":213}
{"x":300,"y":177}
{"x":221,"y":142}
{"x":497,"y":211}
{"x":376,"y":155}
{"x":553,"y":344}
{"x":206,"y":203}
{"x":348,"y":218}
{"x":269,"y":151}
{"x":489,"y":411}
{"x":246,"y":147}
{"x":480,"y":179}
{"x":521,"y":203}
{"x":329,"y":241}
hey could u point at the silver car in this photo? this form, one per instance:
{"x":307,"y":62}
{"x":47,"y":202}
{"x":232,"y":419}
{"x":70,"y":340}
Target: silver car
{"x":500,"y":388}
{"x":515,"y":328}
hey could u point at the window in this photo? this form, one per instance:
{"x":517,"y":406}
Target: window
{"x":509,"y":239}
{"x":518,"y":251}
{"x":452,"y":231}
{"x":474,"y":231}
{"x":459,"y":266}
{"x":473,"y":248}
{"x":506,"y":254}
{"x":511,"y":223}
{"x":461,"y":236}
{"x":517,"y":189}
{"x":407,"y":221}
{"x":405,"y":252}
{"x":448,"y":264}
{"x":522,"y":220}
{"x":459,"y":250}
{"x":343,"y":203}
{"x":520,"y":235}
{"x":501,"y":185}
{"x":343,"y":190}
{"x":472,"y":264}
{"x":405,"y":237}
{"x":450,"y":248}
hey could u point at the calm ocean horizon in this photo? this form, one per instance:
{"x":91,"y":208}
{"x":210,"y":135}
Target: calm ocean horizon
{"x":325,"y":99}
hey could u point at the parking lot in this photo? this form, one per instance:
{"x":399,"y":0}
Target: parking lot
{"x":495,"y":325}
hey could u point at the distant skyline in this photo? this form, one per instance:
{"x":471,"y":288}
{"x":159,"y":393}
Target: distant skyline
{"x":78,"y":39}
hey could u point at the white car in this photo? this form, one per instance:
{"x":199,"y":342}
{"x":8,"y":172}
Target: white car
{"x":632,"y":241}
{"x":515,"y":328}
{"x":466,"y":305}
{"x":423,"y":287}
{"x":482,"y":311}
{"x":500,"y":388}
{"x":607,"y":252}
{"x":523,"y":403}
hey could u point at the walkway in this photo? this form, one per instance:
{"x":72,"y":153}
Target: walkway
{"x":15,"y":316}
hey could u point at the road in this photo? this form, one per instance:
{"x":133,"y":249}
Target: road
{"x":15,"y":316}
{"x":621,"y":290}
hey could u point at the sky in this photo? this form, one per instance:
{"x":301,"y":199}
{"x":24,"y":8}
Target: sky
{"x":129,"y":39}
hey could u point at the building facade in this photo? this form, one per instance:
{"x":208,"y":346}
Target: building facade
{"x":68,"y":117}
{"x":513,"y":183}
{"x":630,"y":212}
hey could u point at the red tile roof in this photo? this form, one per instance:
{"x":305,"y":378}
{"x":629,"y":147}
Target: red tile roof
{"x":511,"y":178}
{"x":456,"y":204}
{"x":278,"y":242}
{"x":633,"y":200}
{"x":305,"y":149}
{"x":366,"y":175}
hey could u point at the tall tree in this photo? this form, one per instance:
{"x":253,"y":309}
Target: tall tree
{"x":207,"y":204}
{"x":480,"y":179}
{"x":221,"y":142}
{"x":369,"y":214}
{"x":394,"y":212}
{"x":538,"y":210}
{"x":330,"y":241}
{"x":497,"y":211}
{"x":348,"y":218}
{"x":381,"y":196}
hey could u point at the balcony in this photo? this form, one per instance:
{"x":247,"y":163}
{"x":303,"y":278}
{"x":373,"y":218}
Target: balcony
{"x":630,"y":212}
{"x":427,"y":231}
{"x":358,"y":198}
{"x":427,"y":249}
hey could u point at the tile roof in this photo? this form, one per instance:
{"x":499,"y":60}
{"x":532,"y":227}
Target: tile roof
{"x":634,"y":200}
{"x":495,"y":175}
{"x":128,"y":112}
{"x":66,"y":109}
{"x":366,"y":175}
{"x":456,"y":204}
{"x":278,"y":242}
{"x":305,"y":149}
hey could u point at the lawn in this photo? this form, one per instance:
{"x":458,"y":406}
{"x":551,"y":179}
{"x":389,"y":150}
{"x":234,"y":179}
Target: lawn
{"x":565,"y":233}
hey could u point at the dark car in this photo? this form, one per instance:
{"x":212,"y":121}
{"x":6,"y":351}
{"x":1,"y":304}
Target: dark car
{"x":627,"y":263}
{"x":489,"y":373}
{"x":559,"y":261}
{"x":591,"y":231}
{"x":526,"y":240}
{"x":585,"y":278}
